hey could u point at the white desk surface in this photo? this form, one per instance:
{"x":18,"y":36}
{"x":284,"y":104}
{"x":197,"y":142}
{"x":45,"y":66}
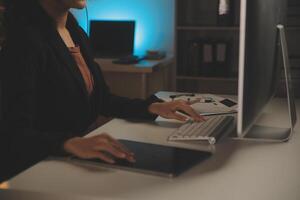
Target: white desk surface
{"x":27,"y":195}
{"x":237,"y":171}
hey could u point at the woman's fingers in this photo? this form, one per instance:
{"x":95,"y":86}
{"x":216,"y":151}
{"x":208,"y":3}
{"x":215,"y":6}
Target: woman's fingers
{"x":110,"y":149}
{"x":183,"y":106}
{"x":178,"y":117}
{"x":128,"y":155}
{"x":168,"y":110}
{"x":119,"y":145}
{"x":115,"y":148}
{"x":102,"y":156}
{"x":97,"y":147}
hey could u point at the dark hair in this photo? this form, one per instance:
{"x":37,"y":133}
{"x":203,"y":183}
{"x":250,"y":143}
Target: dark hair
{"x":19,"y":12}
{"x":26,"y":13}
{"x":23,"y":13}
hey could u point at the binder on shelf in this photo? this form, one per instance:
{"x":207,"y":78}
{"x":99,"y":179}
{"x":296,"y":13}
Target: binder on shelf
{"x":222,"y":53}
{"x":194,"y":57}
{"x":207,"y":58}
{"x":215,"y":58}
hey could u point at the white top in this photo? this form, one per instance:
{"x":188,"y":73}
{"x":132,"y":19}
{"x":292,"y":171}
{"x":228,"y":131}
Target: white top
{"x":238,"y":170}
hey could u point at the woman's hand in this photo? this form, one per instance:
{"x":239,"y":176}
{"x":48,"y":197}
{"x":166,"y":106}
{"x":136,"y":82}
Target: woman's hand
{"x":98,"y":147}
{"x":169,"y":110}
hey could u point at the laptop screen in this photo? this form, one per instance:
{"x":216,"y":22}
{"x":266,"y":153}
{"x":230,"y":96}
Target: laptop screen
{"x":112,"y":39}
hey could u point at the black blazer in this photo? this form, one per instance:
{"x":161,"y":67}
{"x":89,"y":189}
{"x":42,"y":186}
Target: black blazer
{"x":45,"y":100}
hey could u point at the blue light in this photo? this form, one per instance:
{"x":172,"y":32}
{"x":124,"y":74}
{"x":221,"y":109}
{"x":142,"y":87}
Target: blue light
{"x":154,"y":20}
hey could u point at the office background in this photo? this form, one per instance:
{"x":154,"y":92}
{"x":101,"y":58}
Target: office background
{"x":172,"y":25}
{"x":154,"y":20}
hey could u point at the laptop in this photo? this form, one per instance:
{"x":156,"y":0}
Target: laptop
{"x":112,"y":39}
{"x":155,"y":159}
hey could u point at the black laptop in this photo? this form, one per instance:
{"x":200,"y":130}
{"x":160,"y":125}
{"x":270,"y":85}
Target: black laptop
{"x":112,"y":39}
{"x":156,"y":159}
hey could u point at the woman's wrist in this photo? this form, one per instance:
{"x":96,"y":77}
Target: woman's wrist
{"x":68,"y":144}
{"x":153,"y":108}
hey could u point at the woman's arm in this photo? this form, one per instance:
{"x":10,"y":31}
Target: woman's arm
{"x":149,"y":109}
{"x":113,"y":105}
{"x":122,"y":107}
{"x":25,"y":144}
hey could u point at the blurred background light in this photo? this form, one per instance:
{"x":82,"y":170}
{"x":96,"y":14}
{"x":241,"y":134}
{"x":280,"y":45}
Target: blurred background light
{"x":155,"y":20}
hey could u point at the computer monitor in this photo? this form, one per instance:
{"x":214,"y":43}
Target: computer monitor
{"x":260,"y":66}
{"x":112,"y":39}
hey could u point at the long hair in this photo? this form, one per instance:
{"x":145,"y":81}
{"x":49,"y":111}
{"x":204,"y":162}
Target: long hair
{"x":24,"y":13}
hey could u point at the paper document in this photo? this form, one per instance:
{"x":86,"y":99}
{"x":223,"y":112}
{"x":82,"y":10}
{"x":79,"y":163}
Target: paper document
{"x":209,"y":104}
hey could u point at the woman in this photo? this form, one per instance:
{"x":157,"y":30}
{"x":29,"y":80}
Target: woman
{"x":53,"y":90}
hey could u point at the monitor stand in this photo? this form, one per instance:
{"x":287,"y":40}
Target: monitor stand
{"x":275,"y":134}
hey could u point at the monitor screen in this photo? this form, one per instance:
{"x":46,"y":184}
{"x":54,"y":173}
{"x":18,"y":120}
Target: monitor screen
{"x":112,"y":39}
{"x":258,"y":61}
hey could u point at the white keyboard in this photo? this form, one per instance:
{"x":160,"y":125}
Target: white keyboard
{"x":209,"y":130}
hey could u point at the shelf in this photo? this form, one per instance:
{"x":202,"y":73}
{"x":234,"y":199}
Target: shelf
{"x":222,"y":28}
{"x":294,"y":56}
{"x":207,"y":28}
{"x":207,"y":78}
{"x":196,"y":20}
{"x":293,"y":28}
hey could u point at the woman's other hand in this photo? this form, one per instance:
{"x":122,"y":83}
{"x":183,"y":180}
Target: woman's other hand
{"x":171,"y":110}
{"x":98,"y":147}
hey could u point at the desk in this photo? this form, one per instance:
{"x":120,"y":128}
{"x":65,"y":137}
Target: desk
{"x":26,"y":195}
{"x":139,"y":80}
{"x":237,"y":171}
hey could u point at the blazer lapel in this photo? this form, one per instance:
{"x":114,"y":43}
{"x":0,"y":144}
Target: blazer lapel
{"x":68,"y":61}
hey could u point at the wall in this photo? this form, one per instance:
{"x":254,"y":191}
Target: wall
{"x":155,"y":20}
